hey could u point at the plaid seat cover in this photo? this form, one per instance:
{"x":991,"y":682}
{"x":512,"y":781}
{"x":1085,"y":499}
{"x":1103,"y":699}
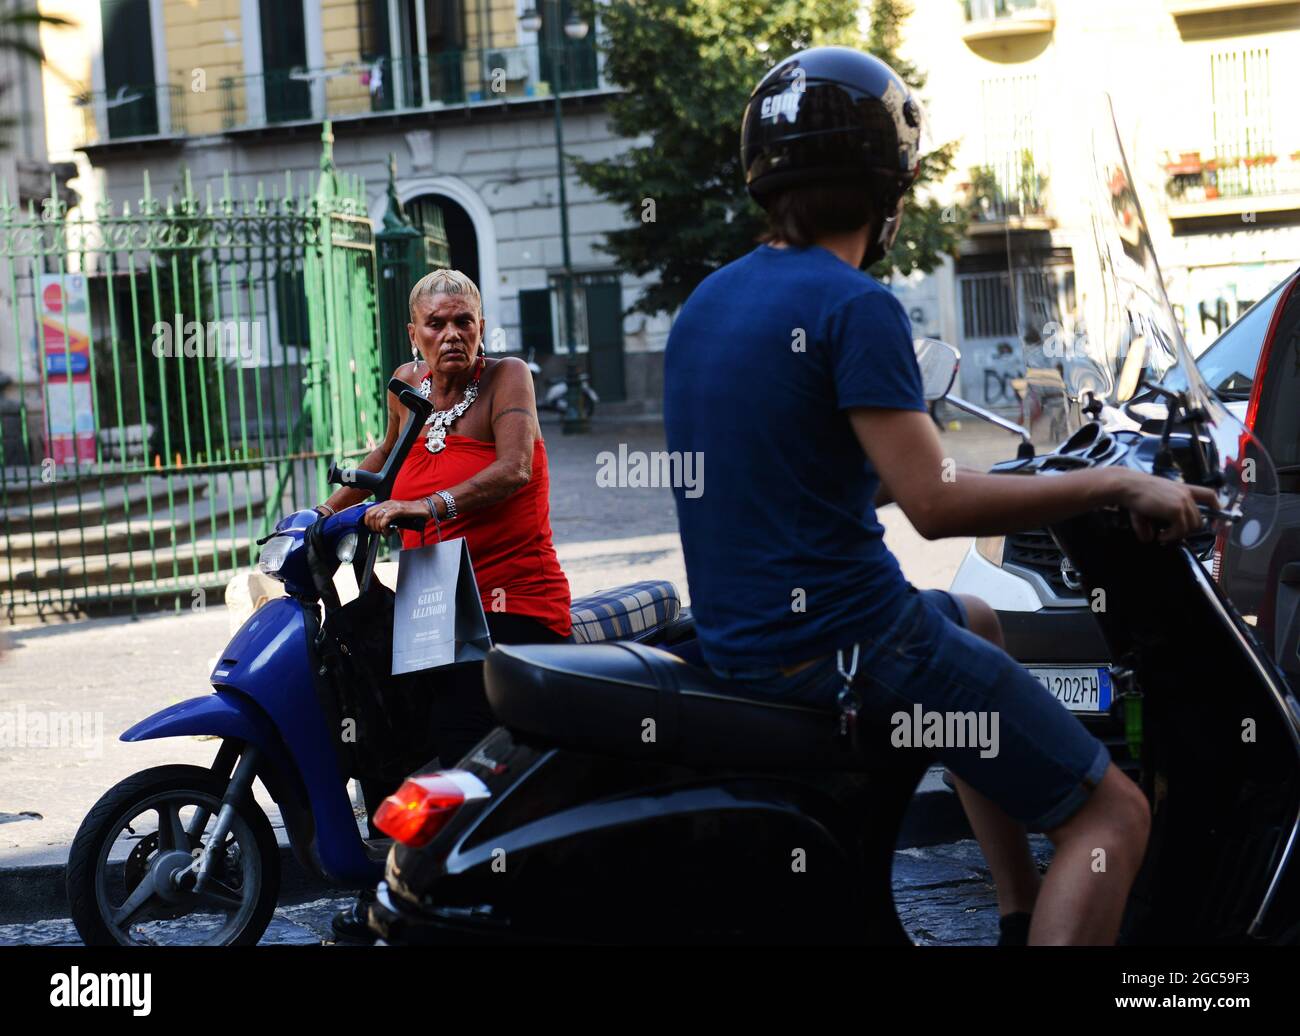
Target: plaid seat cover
{"x":624,"y":611}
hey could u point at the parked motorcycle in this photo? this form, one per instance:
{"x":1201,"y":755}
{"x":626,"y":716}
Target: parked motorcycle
{"x":186,"y":854}
{"x":742,"y":820}
{"x":555,"y":396}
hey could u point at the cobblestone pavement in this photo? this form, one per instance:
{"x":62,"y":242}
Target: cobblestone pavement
{"x":943,"y":894}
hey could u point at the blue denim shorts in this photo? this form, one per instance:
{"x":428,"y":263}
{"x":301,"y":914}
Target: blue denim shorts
{"x":937,"y":686}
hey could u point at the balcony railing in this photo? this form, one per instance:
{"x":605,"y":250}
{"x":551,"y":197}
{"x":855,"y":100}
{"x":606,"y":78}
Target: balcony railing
{"x":131,"y":111}
{"x":990,"y":19}
{"x":365,"y":87}
{"x":1228,"y":183}
{"x":1012,"y":192}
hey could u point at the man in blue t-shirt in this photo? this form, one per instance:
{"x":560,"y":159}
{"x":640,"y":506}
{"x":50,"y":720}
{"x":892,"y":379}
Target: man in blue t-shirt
{"x":794,"y":373}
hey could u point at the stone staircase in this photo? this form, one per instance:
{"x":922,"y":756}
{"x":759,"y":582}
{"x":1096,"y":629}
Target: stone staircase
{"x":86,"y":542}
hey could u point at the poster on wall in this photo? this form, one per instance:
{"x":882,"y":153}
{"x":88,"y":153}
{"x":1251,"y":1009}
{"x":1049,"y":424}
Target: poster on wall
{"x":63,"y":315}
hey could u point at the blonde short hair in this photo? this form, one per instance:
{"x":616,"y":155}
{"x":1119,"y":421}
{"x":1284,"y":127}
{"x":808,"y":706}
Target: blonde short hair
{"x":445,"y":282}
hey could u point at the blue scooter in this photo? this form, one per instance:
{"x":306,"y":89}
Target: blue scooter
{"x":180,"y":854}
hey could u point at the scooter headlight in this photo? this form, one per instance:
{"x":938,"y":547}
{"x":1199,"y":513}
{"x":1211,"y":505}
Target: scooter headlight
{"x":274,"y":554}
{"x":347,"y":548}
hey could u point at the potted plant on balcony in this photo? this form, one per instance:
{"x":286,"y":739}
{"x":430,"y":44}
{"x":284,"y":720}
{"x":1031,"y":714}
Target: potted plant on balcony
{"x":985,"y":194}
{"x":1031,"y":185}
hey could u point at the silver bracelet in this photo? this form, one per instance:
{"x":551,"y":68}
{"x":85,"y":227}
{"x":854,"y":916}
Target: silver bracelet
{"x":433,"y":510}
{"x":451,"y":502}
{"x":327,"y":507}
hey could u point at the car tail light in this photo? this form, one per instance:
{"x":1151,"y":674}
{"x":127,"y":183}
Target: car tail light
{"x":424,"y":804}
{"x":1261,"y":365}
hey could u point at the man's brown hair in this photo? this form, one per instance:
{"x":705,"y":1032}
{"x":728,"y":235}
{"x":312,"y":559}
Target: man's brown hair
{"x":800,"y":215}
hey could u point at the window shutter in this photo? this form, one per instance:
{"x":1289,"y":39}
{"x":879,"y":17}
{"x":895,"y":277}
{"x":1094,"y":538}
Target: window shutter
{"x":128,"y":67}
{"x":535,"y":321}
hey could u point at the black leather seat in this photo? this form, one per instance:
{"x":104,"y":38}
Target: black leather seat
{"x":599,"y":699}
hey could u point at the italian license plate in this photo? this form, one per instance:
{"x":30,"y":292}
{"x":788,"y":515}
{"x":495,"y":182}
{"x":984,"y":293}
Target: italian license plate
{"x":1078,"y":689}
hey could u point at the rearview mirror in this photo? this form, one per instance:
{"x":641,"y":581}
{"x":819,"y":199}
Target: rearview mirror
{"x":938,"y":362}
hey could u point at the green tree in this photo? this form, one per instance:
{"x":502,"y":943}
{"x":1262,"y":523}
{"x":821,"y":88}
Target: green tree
{"x":687,"y":68}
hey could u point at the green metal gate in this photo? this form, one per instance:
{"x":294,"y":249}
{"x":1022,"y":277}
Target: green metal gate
{"x":179,"y":374}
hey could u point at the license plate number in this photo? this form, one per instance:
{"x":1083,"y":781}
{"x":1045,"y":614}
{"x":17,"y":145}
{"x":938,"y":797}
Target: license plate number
{"x":1078,"y":689}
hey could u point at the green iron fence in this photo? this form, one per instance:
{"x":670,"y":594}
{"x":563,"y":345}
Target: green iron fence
{"x":179,"y":373}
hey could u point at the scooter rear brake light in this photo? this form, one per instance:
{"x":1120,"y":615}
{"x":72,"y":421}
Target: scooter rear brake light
{"x":424,"y":804}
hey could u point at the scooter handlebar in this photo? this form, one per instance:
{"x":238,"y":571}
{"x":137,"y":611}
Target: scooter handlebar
{"x":380,"y":483}
{"x":356,"y":478}
{"x":414,"y":524}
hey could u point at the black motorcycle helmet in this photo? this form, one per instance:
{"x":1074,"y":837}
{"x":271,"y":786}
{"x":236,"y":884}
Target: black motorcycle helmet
{"x":833,"y":115}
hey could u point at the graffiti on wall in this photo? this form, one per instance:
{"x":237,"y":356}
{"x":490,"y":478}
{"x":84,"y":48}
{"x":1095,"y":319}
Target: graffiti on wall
{"x":989,"y":370}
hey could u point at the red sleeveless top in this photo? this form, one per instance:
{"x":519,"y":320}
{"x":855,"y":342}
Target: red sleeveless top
{"x":509,"y":542}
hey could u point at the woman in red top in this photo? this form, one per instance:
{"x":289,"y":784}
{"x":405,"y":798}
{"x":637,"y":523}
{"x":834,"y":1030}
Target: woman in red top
{"x":479,"y":472}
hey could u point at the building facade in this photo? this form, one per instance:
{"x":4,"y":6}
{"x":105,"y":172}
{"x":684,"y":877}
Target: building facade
{"x":1202,"y":91}
{"x":459,"y":91}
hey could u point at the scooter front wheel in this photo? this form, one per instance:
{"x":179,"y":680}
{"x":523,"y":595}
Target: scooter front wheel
{"x":133,"y":875}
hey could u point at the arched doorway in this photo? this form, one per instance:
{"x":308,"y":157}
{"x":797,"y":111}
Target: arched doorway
{"x":473,"y":245}
{"x":462,"y":239}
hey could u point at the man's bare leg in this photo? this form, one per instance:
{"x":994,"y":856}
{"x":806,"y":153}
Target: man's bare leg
{"x":1081,"y":899}
{"x":1098,"y":853}
{"x":1002,"y":840}
{"x":1006,"y":850}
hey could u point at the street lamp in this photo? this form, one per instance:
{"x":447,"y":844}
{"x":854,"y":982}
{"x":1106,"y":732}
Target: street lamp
{"x":575,"y":28}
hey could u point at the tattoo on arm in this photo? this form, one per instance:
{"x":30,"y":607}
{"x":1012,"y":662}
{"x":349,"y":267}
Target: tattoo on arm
{"x":513,"y":410}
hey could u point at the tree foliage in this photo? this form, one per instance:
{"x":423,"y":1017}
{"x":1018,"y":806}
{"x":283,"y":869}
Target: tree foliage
{"x":686,"y":68}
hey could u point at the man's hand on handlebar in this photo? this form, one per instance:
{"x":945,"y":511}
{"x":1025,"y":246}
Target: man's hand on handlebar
{"x":1162,"y":509}
{"x":397,"y":513}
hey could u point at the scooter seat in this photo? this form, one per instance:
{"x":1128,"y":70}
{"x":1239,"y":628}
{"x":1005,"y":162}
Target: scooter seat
{"x":633,"y":701}
{"x":636,"y":610}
